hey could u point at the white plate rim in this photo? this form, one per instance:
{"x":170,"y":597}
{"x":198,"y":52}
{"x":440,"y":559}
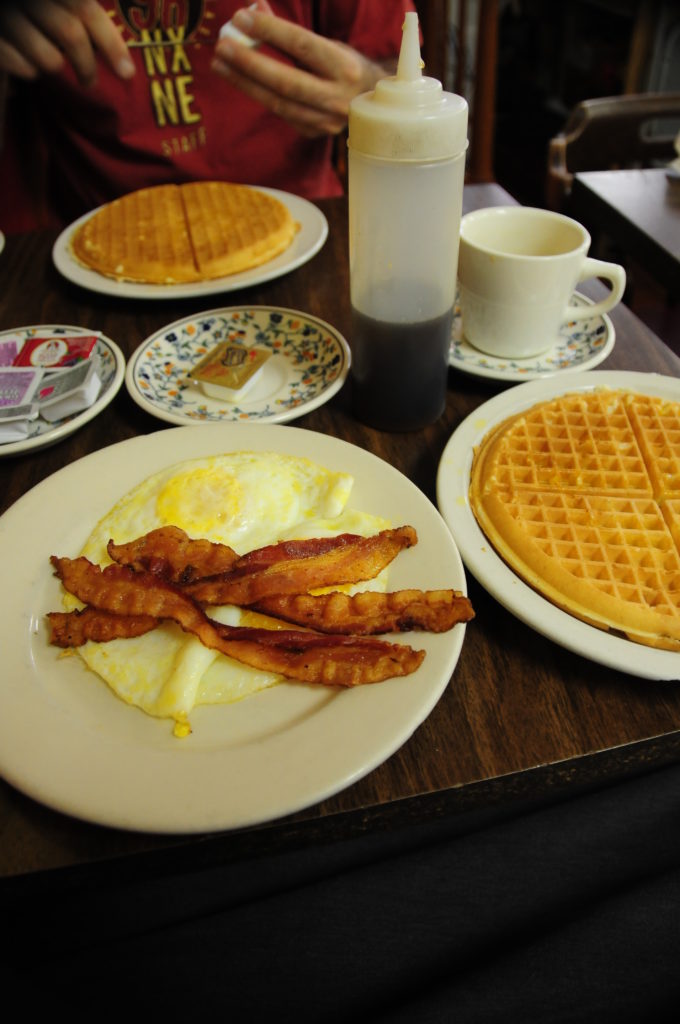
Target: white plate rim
{"x":63,"y":428}
{"x":230,"y":416}
{"x":494,"y":368}
{"x":138,"y":776}
{"x":308,"y":241}
{"x":480,"y":558}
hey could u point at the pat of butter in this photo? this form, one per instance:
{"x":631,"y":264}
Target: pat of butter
{"x":229,"y":370}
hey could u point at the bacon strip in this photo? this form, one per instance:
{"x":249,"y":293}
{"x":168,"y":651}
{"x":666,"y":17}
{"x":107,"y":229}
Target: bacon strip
{"x":170,"y":553}
{"x":295,"y":567}
{"x":370,"y":613}
{"x":72,"y":629}
{"x":305,"y":656}
{"x":365,"y":614}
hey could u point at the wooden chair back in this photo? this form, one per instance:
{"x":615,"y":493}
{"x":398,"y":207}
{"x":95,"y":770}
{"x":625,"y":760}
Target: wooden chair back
{"x":636,"y":130}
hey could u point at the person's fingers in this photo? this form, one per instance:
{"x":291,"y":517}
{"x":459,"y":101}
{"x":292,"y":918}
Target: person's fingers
{"x":278,"y":78}
{"x":42,"y":34}
{"x":309,"y":50}
{"x":107,"y":39}
{"x":25,"y":44}
{"x":60,"y":23}
{"x":12,"y":62}
{"x":309,"y":120}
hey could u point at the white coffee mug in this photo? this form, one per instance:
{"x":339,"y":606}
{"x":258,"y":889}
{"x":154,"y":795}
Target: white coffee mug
{"x":518,"y":267}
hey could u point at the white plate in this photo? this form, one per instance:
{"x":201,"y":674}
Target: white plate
{"x":307,"y":242}
{"x":67,"y":741}
{"x":453,"y":481}
{"x":2,"y":241}
{"x":583,"y":345}
{"x":309,"y":363}
{"x":110,"y":364}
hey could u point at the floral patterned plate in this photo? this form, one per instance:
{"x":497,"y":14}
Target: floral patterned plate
{"x":583,"y":344}
{"x":110,"y":364}
{"x":309,"y":363}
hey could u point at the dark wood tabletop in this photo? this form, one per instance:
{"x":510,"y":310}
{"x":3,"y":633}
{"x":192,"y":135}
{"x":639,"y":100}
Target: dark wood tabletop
{"x":523,"y":719}
{"x":640,"y":211}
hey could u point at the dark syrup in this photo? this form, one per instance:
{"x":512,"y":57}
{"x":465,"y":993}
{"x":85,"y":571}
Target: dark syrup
{"x":399,"y":371}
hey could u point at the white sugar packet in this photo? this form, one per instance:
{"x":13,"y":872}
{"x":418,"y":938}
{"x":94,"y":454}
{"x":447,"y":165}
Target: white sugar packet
{"x":66,"y":392}
{"x":235,"y":33}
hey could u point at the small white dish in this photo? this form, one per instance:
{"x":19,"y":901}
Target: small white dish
{"x":93,"y":756}
{"x":582,"y":346}
{"x":110,"y":368}
{"x":311,"y":235}
{"x":2,"y":241}
{"x":453,"y":483}
{"x":309,"y":363}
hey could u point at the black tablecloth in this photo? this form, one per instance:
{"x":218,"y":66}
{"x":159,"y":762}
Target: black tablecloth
{"x":567,"y":912}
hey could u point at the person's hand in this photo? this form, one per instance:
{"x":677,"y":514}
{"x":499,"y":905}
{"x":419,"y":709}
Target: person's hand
{"x":314,"y":94}
{"x":39,"y":36}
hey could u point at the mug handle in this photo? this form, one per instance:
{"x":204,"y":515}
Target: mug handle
{"x":611,"y":272}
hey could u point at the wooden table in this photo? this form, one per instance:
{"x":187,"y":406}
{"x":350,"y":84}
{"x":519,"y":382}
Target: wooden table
{"x":522,"y":720}
{"x":640,"y":211}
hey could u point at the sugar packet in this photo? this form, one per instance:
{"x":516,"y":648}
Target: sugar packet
{"x":237,"y":35}
{"x":17,"y":386}
{"x":53,"y":351}
{"x":66,"y":392}
{"x":17,"y":410}
{"x":9,"y":350}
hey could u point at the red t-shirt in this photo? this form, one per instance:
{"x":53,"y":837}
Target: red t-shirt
{"x":176,"y":120}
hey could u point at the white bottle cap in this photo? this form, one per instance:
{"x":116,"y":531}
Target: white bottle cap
{"x":408,"y":116}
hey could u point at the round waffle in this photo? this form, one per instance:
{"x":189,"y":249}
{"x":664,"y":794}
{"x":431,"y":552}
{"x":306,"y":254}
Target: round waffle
{"x":581,"y":497}
{"x":177,"y":233}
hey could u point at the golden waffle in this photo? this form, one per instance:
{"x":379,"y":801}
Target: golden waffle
{"x":581,"y":497}
{"x":233,"y":227}
{"x":181,"y":233}
{"x":142,"y":236}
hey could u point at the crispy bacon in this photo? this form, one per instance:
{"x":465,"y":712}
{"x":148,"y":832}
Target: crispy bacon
{"x":305,"y":656}
{"x":369,"y":613}
{"x":295,"y":567}
{"x":170,"y":553}
{"x":365,"y":614}
{"x":72,"y":629}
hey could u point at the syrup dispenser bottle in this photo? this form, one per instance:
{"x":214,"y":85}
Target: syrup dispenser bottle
{"x":406,"y":164}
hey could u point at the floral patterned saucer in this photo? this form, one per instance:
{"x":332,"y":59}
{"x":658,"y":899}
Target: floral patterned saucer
{"x":309,"y":363}
{"x":583,"y":344}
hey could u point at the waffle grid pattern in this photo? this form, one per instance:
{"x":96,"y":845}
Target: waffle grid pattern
{"x":175,"y":234}
{"x":657,"y":426}
{"x":233,"y":227}
{"x":620,"y":546}
{"x":581,"y":496}
{"x":574,"y":448}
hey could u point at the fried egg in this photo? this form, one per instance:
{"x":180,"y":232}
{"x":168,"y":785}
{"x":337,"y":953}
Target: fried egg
{"x":246,"y":500}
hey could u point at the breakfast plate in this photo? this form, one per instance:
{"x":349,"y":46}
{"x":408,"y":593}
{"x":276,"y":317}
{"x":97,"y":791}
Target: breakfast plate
{"x":309,"y":361}
{"x":283,"y":749}
{"x":582,"y":345}
{"x":310,"y":237}
{"x":481,"y":559}
{"x":110,"y":366}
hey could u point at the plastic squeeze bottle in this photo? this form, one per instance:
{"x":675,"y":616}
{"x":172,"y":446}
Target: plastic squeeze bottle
{"x":406,"y":164}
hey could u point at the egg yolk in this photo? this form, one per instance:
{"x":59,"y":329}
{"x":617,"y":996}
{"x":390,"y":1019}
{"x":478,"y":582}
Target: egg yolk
{"x":201,"y":501}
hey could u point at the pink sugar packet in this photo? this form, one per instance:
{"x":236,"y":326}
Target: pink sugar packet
{"x":18,"y":385}
{"x":9,"y":349}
